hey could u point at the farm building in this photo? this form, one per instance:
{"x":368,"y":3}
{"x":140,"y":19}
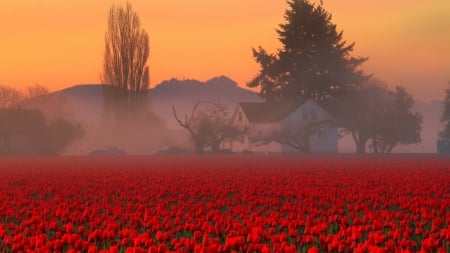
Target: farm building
{"x":262,"y":120}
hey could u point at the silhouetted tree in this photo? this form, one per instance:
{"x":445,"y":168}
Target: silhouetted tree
{"x":125,"y":70}
{"x":56,"y":137}
{"x":358,"y":111}
{"x":10,"y":97}
{"x":445,"y":133}
{"x":314,"y":61}
{"x":397,"y":124}
{"x":53,"y":107}
{"x":385,"y":117}
{"x":37,"y":137}
{"x":16,"y":122}
{"x":37,"y":90}
{"x":35,"y":121}
{"x":209,"y":126}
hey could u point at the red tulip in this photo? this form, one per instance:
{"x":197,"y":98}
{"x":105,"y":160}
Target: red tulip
{"x":313,"y":249}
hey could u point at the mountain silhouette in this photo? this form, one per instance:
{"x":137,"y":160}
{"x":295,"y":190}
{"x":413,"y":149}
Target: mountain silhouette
{"x":86,"y":101}
{"x":183,"y":94}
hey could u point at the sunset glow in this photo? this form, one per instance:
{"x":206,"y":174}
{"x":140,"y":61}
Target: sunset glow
{"x":59,"y":44}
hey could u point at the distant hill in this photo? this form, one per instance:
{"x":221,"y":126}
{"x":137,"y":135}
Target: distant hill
{"x":86,"y":102}
{"x":183,"y":94}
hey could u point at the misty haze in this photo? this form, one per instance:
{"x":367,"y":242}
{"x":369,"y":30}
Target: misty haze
{"x":84,"y":104}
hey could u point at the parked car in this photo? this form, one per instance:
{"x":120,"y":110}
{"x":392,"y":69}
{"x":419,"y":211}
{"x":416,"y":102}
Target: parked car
{"x":108,"y":151}
{"x":173,"y":150}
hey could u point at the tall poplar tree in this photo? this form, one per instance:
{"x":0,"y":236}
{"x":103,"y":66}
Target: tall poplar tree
{"x":125,"y":70}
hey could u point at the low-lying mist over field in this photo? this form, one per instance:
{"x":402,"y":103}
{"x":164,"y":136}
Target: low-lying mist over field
{"x":160,"y":129}
{"x":88,"y":129}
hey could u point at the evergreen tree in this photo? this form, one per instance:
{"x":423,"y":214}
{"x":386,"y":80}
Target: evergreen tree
{"x":314,"y":61}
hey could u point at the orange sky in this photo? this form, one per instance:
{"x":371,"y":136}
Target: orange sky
{"x":60,"y":43}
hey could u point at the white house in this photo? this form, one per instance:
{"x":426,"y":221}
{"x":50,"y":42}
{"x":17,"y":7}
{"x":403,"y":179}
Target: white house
{"x":266,"y":118}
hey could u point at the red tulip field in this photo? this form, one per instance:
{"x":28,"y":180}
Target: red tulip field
{"x":225,"y":204}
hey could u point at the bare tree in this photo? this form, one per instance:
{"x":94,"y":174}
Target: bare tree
{"x":53,"y":107}
{"x":37,"y":90}
{"x":298,"y":137}
{"x":125,"y":68}
{"x":10,"y":97}
{"x":209,"y":126}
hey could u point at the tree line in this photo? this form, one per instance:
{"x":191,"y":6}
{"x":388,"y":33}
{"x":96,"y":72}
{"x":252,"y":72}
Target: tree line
{"x":34,"y":123}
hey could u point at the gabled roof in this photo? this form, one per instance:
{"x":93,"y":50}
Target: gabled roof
{"x":267,"y":112}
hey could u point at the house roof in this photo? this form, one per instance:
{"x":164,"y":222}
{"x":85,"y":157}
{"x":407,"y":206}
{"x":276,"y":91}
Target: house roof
{"x":266,"y":112}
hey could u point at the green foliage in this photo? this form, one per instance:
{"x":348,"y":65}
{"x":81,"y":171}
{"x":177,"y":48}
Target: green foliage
{"x":26,"y":132}
{"x":398,"y":123}
{"x":355,"y":113}
{"x":54,"y":138}
{"x":314,"y":61}
{"x":16,"y":124}
{"x":383,"y":116}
